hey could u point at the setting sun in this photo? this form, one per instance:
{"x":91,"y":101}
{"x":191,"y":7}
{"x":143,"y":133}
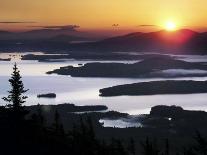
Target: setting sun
{"x":170,"y":26}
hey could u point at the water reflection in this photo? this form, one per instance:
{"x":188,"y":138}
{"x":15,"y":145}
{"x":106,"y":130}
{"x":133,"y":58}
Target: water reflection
{"x":119,"y":123}
{"x":85,"y":91}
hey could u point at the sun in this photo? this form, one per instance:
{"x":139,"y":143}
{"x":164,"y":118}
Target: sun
{"x":170,"y":26}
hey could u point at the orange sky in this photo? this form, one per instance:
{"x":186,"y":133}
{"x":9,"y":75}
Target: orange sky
{"x":102,"y":14}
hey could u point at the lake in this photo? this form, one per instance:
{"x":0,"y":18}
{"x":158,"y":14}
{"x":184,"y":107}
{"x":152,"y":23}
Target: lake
{"x":85,"y":91}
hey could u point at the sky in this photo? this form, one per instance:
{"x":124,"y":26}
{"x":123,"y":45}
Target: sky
{"x":103,"y":15}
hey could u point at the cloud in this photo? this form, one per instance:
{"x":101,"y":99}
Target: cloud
{"x":65,"y":27}
{"x":16,"y":22}
{"x":147,"y":25}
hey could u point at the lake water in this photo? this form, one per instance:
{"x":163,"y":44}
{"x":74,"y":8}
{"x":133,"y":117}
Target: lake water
{"x":120,"y":123}
{"x":85,"y":91}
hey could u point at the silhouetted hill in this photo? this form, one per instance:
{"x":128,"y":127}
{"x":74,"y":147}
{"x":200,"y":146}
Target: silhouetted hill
{"x":128,"y":37}
{"x":67,"y":38}
{"x":39,"y":34}
{"x":4,"y":35}
{"x":156,"y":87}
{"x":50,"y":33}
{"x":180,"y":41}
{"x":4,"y":32}
{"x":151,"y":66}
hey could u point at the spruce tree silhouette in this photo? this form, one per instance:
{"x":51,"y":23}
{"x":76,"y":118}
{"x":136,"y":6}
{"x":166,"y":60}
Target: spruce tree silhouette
{"x":16,"y":97}
{"x":201,"y":144}
{"x":149,"y":147}
{"x":15,"y":129}
{"x":131,"y":147}
{"x":58,"y":126}
{"x":167,"y":147}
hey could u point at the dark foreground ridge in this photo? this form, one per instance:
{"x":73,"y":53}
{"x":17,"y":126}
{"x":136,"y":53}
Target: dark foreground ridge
{"x":72,"y":133}
{"x":149,"y":67}
{"x":156,"y":87}
{"x":54,"y":130}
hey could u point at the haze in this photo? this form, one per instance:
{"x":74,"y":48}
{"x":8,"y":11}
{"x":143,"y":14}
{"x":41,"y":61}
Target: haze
{"x":103,"y":15}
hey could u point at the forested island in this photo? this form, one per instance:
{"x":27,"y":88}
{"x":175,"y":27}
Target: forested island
{"x":148,"y":67}
{"x":156,"y":87}
{"x":7,"y":59}
{"x":83,"y":56}
{"x":68,"y":108}
{"x":48,"y":95}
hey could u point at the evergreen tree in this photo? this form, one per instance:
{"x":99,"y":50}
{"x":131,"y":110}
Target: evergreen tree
{"x":16,"y":97}
{"x":40,"y":116}
{"x":91,"y":132}
{"x":201,"y":146}
{"x":58,"y":126}
{"x":120,"y":148}
{"x":167,"y":147}
{"x":131,"y":147}
{"x":150,"y":148}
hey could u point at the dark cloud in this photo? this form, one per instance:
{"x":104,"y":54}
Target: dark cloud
{"x":16,"y":22}
{"x":147,"y":25}
{"x":115,"y":25}
{"x":65,"y":27}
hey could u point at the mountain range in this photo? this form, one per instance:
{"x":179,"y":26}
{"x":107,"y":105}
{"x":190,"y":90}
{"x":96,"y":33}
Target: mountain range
{"x":182,"y":41}
{"x":43,"y":34}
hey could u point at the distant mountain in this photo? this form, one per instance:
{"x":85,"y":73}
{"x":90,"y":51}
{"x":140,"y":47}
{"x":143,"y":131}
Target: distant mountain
{"x":43,"y":34}
{"x":4,"y":32}
{"x":49,"y":33}
{"x":68,"y":38}
{"x":182,"y":41}
{"x":176,"y":42}
{"x":4,"y":35}
{"x":163,"y":36}
{"x":161,"y":41}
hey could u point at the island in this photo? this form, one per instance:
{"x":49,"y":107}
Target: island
{"x":84,"y":56}
{"x":48,"y":95}
{"x":65,"y":108}
{"x":156,"y":87}
{"x":7,"y":59}
{"x":152,"y":66}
